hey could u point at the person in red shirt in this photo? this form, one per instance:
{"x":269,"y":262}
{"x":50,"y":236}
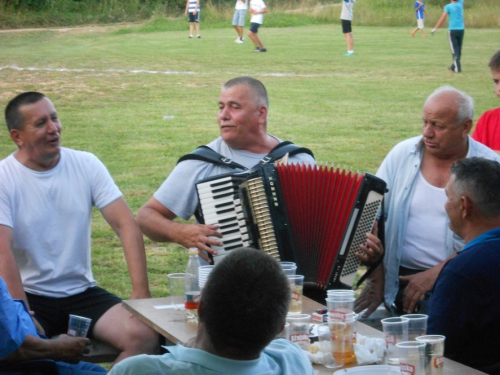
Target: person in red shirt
{"x":487,"y":129}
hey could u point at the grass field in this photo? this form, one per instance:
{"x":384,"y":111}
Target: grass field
{"x":113,"y":88}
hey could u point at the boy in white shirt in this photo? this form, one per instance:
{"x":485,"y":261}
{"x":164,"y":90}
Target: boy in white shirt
{"x":257,"y":9}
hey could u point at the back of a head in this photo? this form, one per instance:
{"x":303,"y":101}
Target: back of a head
{"x":464,"y":102}
{"x":495,"y":61}
{"x":479,"y":179}
{"x":13,"y":117}
{"x":245,"y":302}
{"x":255,"y":85}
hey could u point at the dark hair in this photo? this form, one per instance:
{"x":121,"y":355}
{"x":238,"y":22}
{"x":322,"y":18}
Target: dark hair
{"x":255,"y":85}
{"x":244,"y":302}
{"x":13,"y":117}
{"x":479,"y":179}
{"x":495,"y":61}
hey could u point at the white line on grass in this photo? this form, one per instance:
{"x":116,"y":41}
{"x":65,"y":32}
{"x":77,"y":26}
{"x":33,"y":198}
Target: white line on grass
{"x":138,"y":71}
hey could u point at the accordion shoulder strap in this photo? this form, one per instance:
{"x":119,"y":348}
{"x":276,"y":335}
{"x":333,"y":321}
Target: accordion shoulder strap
{"x":205,"y":153}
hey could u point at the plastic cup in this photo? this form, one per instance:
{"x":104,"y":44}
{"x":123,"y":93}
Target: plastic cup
{"x":411,"y":357}
{"x":78,"y":326}
{"x":340,"y":293}
{"x":340,"y":306}
{"x":299,"y":329}
{"x":417,"y":325}
{"x":177,"y":289}
{"x":296,"y":285}
{"x":434,"y":353}
{"x":337,"y":337}
{"x":290,"y":268}
{"x":395,"y":330}
{"x":203,"y":273}
{"x":327,"y":343}
{"x":349,"y":334}
{"x":285,"y":334}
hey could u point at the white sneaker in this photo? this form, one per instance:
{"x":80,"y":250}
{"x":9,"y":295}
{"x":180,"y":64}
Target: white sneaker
{"x":239,"y":41}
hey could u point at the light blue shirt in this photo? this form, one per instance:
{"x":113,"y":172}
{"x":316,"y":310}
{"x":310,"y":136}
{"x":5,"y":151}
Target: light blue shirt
{"x":455,"y":15}
{"x":400,"y":169}
{"x":279,"y":357}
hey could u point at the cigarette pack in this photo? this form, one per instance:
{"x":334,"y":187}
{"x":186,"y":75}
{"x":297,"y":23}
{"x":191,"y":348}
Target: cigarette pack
{"x":319,"y":317}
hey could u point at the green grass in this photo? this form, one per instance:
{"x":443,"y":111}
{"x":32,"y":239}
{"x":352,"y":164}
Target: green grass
{"x":112,"y":90}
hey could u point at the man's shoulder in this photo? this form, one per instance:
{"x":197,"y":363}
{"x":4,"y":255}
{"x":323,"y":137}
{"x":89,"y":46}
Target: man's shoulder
{"x":480,"y":150}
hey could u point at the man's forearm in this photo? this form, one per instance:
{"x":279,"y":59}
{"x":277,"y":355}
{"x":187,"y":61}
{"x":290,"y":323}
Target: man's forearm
{"x":156,"y":226}
{"x":33,"y":348}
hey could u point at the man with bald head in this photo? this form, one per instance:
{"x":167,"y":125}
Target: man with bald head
{"x":418,"y":238}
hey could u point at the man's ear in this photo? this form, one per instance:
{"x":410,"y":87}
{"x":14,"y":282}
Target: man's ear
{"x":467,"y":125}
{"x":263,"y":114}
{"x":199,"y":309}
{"x":15,"y":135}
{"x":466,"y":206}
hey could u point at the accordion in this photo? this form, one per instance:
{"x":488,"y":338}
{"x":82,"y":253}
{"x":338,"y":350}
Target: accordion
{"x":315,"y":216}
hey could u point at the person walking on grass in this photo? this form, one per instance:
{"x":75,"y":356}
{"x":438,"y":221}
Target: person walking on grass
{"x":419,"y":12}
{"x":193,"y":13}
{"x":240,"y":11}
{"x":346,"y":18}
{"x":257,"y":9}
{"x":456,"y":30}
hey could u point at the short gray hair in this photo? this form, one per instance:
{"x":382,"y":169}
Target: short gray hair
{"x":256,"y":86}
{"x":464,"y":102}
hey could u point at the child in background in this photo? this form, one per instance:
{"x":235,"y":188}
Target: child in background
{"x":487,"y":129}
{"x":346,"y":19}
{"x":193,"y":13}
{"x":420,"y":13}
{"x":257,"y":9}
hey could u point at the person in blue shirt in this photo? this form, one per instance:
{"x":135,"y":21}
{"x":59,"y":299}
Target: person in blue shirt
{"x":20,"y":341}
{"x":243,"y":306}
{"x":464,"y":304}
{"x":419,"y":13}
{"x":456,"y":30}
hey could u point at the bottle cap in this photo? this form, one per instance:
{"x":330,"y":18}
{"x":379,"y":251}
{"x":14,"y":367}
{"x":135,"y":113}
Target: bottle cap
{"x":193,"y":250}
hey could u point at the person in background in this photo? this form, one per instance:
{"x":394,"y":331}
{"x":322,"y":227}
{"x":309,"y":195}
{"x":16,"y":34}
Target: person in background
{"x":346,"y":19}
{"x":243,"y":306}
{"x":257,"y":9}
{"x":20,"y":341}
{"x":418,"y":239}
{"x":192,"y":12}
{"x":420,"y":14}
{"x":46,"y":197}
{"x":487,"y":129}
{"x":464,"y":304}
{"x":456,"y":29}
{"x":240,"y":11}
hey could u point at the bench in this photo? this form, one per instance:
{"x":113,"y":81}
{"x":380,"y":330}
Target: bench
{"x":101,"y":352}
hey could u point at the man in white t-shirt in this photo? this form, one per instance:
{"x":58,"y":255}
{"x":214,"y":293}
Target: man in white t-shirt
{"x":418,"y":240}
{"x":257,"y":8}
{"x":240,"y":11}
{"x":46,"y":197}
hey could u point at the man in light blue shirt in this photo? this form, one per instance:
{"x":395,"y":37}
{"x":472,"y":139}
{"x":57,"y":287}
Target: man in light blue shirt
{"x":456,"y":29}
{"x":418,"y":238}
{"x":243,"y":307}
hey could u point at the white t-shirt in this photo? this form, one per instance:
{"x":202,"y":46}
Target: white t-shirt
{"x":241,"y":5}
{"x":257,"y":5}
{"x":346,"y":13}
{"x":424,"y":245}
{"x":50,"y":213}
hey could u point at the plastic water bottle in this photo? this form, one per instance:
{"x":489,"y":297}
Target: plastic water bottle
{"x":191,"y":286}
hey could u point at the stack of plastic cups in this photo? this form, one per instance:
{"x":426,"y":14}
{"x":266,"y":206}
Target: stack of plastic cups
{"x":203,"y":272}
{"x":340,"y":305}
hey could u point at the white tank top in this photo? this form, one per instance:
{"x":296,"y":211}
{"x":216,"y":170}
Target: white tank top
{"x":424,"y":244}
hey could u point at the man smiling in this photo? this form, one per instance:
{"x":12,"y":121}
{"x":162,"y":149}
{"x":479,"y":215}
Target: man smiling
{"x":46,"y":197}
{"x":242,"y":117}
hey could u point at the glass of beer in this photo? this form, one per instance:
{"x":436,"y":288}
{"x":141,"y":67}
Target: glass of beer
{"x":296,"y":286}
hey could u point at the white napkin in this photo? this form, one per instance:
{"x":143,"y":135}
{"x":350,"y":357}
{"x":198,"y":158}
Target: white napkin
{"x":368,"y":350}
{"x":315,"y":354}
